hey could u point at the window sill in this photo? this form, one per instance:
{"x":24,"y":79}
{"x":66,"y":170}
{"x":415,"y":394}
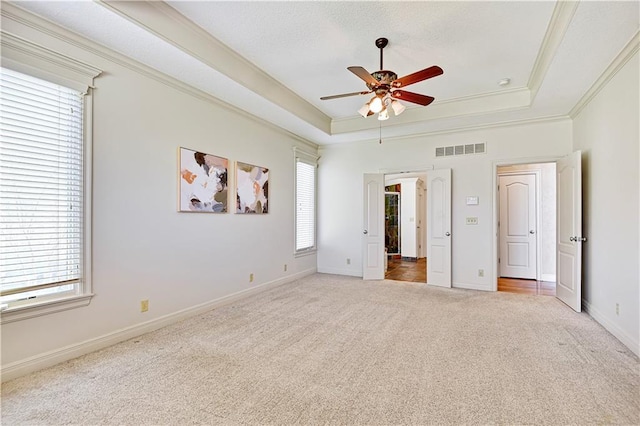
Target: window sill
{"x":305,"y":253}
{"x":19,"y":313}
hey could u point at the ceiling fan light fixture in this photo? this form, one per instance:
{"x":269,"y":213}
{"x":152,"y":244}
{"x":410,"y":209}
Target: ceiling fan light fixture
{"x":398,"y":108}
{"x":376,"y":105}
{"x":364,"y":111}
{"x":385,"y":85}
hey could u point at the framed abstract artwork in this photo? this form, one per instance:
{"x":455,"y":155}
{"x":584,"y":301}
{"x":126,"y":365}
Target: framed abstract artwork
{"x":252,"y":188}
{"x":203,"y":182}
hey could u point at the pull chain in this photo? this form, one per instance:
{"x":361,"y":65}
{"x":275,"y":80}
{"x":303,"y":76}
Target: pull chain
{"x":380,"y":135}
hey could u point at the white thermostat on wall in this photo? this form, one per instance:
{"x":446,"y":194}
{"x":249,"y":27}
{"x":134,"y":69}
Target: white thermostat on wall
{"x":472,"y":201}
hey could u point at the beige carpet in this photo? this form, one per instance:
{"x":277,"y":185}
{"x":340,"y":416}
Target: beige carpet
{"x":339,"y":350}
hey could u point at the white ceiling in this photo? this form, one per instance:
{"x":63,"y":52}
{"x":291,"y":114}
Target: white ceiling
{"x":276,"y":59}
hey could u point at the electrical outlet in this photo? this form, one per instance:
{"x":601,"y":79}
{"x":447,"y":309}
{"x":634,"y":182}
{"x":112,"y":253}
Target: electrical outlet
{"x":144,"y":305}
{"x":617,"y":309}
{"x":250,"y":278}
{"x":481,"y":272}
{"x":348,"y":261}
{"x":472,"y":221}
{"x":285,"y":267}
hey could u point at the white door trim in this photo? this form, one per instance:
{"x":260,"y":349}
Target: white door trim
{"x":420,"y":171}
{"x":496,"y":212}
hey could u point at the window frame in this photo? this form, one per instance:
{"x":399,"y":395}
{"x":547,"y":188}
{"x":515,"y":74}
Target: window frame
{"x":311,"y":159}
{"x":27,"y":58}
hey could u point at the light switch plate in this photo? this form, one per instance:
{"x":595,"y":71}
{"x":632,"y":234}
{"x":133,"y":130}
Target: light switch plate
{"x":472,"y":201}
{"x":472,"y":221}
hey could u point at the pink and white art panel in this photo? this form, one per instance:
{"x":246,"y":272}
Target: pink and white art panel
{"x":203,"y":182}
{"x":252,"y":188}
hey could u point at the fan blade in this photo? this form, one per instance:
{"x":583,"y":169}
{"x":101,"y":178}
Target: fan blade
{"x":416,"y":98}
{"x":418,"y":76}
{"x":344,"y":95}
{"x":364,"y":74}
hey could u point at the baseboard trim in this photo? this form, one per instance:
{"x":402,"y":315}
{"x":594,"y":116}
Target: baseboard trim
{"x":611,"y":327}
{"x":340,"y":271}
{"x":469,"y":286}
{"x":56,"y":356}
{"x":551,"y":278}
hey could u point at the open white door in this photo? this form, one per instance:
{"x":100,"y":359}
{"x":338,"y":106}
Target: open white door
{"x":373,"y":238}
{"x":439,"y":227}
{"x":569,"y":228}
{"x":518,"y":241}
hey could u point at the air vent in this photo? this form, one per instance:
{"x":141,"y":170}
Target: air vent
{"x":448,"y":151}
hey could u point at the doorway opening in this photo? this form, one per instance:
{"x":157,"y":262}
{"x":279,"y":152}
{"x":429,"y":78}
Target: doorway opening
{"x":527,"y":228}
{"x":405,"y":227}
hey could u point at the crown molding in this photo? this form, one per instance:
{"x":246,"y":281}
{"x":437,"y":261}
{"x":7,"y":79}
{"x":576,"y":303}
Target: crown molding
{"x":16,"y":20}
{"x":459,"y":129}
{"x":558,"y":25}
{"x":160,"y":15}
{"x":627,"y":52}
{"x":167,"y":23}
{"x":24,"y":56}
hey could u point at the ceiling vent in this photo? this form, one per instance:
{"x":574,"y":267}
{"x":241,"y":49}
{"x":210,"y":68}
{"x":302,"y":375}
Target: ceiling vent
{"x":472,"y":148}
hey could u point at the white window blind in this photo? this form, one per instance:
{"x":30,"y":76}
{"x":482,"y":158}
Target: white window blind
{"x":305,"y":205}
{"x":41,"y":189}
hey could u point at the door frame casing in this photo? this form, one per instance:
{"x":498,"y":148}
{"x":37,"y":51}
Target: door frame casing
{"x":397,"y":171}
{"x":495,"y":209}
{"x":538,"y":198}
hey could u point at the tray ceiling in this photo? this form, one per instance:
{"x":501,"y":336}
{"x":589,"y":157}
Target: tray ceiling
{"x":276,"y":59}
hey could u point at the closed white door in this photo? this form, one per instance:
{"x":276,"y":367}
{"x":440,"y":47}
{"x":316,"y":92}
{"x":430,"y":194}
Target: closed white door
{"x":517,"y":226}
{"x":373,"y":232}
{"x":569,"y":229}
{"x":439,"y":227}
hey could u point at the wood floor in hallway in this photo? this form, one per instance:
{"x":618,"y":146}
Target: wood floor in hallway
{"x":416,"y":271}
{"x":512,"y":285}
{"x":407,"y":270}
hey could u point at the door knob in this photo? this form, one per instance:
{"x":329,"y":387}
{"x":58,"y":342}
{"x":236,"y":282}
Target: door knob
{"x":532,"y":232}
{"x":365,"y":232}
{"x":447,"y":233}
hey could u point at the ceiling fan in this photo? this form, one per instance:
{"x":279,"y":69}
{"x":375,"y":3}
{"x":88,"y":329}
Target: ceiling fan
{"x":386,"y":86}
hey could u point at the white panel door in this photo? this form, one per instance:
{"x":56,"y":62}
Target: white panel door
{"x":373,"y":238}
{"x":569,"y":229}
{"x":518,"y":241}
{"x":439,"y":227}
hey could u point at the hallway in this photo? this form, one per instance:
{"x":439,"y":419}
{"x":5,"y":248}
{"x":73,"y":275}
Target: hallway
{"x":407,"y":270}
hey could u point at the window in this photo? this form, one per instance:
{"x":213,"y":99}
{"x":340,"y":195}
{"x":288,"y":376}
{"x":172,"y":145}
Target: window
{"x":42,"y":192}
{"x":306,"y":165}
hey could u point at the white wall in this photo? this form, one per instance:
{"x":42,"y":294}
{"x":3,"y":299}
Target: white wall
{"x":607,"y":131}
{"x":143,"y":248}
{"x":340,"y":180}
